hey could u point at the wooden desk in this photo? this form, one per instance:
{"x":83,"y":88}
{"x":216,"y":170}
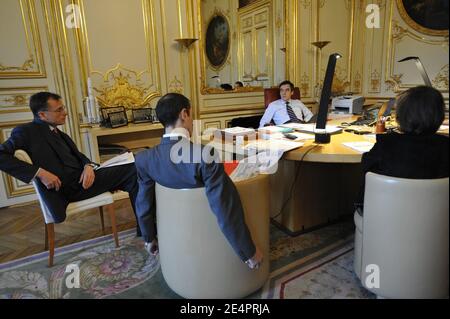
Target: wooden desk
{"x":327,"y":186}
{"x":131,"y":136}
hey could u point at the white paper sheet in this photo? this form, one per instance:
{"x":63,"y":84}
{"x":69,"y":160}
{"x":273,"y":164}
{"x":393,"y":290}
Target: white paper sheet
{"x":122,"y":159}
{"x":361,"y":147}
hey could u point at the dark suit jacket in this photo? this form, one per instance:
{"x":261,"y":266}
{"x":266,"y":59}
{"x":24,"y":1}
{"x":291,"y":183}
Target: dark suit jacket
{"x":35,"y":139}
{"x":407,"y":156}
{"x":155,"y":165}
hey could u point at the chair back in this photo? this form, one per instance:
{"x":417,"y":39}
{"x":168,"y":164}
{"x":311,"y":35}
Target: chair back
{"x":24,"y":157}
{"x":273,"y":94}
{"x":406,"y":234}
{"x":196,"y":259}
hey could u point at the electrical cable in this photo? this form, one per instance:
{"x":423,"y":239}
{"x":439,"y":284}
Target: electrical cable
{"x":297,"y":174}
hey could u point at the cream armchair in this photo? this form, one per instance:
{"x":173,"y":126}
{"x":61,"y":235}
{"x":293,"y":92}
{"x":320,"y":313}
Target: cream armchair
{"x":404,"y":232}
{"x":196,"y":259}
{"x":105,"y":199}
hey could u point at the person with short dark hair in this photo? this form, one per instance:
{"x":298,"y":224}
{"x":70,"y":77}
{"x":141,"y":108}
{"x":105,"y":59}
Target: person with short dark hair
{"x":416,"y":152}
{"x":63,"y":174}
{"x":286,"y":110}
{"x":158,"y":165}
{"x":238,"y":85}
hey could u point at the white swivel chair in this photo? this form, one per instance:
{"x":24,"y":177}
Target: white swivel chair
{"x":404,"y":231}
{"x":196,"y":259}
{"x":105,"y":199}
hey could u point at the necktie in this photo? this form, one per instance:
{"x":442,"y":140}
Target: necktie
{"x":293,"y":118}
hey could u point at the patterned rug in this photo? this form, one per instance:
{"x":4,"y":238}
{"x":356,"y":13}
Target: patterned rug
{"x":313,"y":265}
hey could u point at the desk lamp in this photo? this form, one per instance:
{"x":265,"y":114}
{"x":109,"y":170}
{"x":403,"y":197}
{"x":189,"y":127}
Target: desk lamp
{"x":321,"y":135}
{"x":420,"y":67}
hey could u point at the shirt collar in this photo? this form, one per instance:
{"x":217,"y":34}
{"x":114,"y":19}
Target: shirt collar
{"x":176,"y":133}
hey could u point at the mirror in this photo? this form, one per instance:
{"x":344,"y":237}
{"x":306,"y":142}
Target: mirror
{"x":236,"y":46}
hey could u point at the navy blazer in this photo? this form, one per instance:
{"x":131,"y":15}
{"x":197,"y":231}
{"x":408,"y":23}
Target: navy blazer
{"x":155,"y":165}
{"x":35,"y":139}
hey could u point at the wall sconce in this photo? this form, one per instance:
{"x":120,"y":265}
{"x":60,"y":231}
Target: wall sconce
{"x":186,"y":42}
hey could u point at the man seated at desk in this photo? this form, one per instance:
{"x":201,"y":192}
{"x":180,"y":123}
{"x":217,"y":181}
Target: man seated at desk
{"x":286,"y":110}
{"x":165,"y":165}
{"x":63,"y":174}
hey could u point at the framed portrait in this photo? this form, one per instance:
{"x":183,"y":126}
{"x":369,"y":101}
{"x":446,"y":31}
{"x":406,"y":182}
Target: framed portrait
{"x":217,"y":41}
{"x":118,"y":119}
{"x":142,"y":115}
{"x":426,"y":16}
{"x":106,"y":110}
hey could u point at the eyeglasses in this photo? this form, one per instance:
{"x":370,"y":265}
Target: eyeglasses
{"x":58,"y":110}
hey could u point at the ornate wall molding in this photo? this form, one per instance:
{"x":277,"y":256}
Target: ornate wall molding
{"x":14,"y":100}
{"x":33,"y":65}
{"x":153,"y":79}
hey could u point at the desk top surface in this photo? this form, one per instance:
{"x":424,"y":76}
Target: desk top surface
{"x":130,"y":128}
{"x":334,"y":152}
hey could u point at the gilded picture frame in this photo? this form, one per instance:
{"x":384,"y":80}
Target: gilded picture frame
{"x":217,"y":41}
{"x":426,"y":16}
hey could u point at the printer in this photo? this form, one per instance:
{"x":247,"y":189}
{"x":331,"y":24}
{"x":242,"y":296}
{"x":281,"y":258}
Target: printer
{"x":348,"y":104}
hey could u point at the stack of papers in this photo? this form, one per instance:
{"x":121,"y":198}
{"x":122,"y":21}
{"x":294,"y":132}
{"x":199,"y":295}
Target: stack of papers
{"x":280,"y":136}
{"x":275,"y":129}
{"x":273,"y":145}
{"x":238,"y":131}
{"x":123,"y":159}
{"x":361,"y":147}
{"x":311,"y":128}
{"x":265,"y":162}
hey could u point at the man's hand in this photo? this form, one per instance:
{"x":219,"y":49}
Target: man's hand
{"x":87,"y":178}
{"x":152,"y":248}
{"x":256,"y":260}
{"x":50,"y":180}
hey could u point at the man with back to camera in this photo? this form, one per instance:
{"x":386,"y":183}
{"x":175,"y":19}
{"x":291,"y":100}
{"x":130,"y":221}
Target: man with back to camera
{"x":286,"y":110}
{"x":156,"y":166}
{"x":63,"y":174}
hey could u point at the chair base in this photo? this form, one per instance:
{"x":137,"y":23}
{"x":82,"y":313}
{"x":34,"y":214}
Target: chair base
{"x":50,"y":232}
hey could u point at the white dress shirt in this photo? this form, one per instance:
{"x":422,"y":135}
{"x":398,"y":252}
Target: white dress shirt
{"x":277,"y":112}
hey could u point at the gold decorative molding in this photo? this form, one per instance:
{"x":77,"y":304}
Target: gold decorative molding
{"x":13,"y":100}
{"x":151,"y":42}
{"x":397,"y":33}
{"x":375,"y":82}
{"x":126,"y":89}
{"x":340,"y":84}
{"x":405,"y":16}
{"x":306,"y":3}
{"x":441,"y":79}
{"x":26,"y":66}
{"x":394,"y":83}
{"x":304,"y":86}
{"x":175,"y":86}
{"x":357,"y":83}
{"x":33,"y":66}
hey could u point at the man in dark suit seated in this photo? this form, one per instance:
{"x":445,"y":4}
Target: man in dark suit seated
{"x":178,"y":163}
{"x":286,"y":110}
{"x":63,"y":174}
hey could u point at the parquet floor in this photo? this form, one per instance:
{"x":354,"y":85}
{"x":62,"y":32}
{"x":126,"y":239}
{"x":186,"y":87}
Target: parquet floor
{"x":22,"y":228}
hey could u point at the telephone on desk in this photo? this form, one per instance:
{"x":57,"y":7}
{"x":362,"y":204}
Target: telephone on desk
{"x":370,"y":116}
